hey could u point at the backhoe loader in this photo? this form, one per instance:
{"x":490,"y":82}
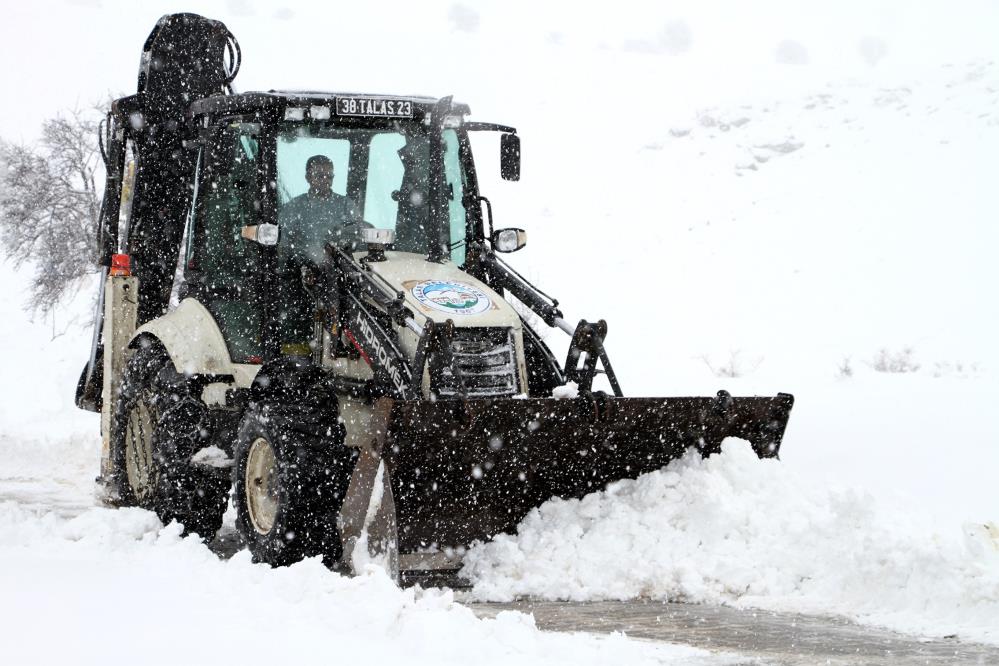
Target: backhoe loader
{"x":304,"y":307}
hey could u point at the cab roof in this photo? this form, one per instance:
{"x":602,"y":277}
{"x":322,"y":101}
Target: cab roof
{"x":277,"y":100}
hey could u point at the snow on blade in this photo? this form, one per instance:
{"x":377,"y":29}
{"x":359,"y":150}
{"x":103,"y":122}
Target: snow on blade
{"x":567,"y":391}
{"x":738,"y":530}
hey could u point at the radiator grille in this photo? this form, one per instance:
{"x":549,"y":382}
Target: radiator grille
{"x":487,"y":361}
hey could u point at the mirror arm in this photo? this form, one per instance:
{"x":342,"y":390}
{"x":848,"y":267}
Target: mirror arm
{"x":489,"y":213}
{"x":505,"y":277}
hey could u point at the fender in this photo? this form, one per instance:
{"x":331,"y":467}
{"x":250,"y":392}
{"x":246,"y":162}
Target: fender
{"x":194,"y":342}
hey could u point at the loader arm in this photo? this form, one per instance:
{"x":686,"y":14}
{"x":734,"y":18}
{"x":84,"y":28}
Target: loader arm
{"x":378,"y":348}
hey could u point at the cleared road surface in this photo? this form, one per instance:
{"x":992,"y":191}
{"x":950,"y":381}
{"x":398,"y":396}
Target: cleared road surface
{"x":761,"y":636}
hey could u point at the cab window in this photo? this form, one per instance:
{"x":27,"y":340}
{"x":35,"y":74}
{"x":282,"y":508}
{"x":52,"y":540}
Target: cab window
{"x":222,"y":264}
{"x":455,"y":183}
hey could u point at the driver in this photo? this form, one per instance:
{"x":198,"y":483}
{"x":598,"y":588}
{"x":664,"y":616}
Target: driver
{"x":308,"y":222}
{"x":319,"y":216}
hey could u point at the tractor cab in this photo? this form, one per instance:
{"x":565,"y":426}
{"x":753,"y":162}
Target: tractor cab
{"x":297,"y":171}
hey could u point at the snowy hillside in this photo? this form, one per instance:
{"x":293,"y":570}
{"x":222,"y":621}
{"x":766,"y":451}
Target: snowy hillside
{"x":755,"y":199}
{"x":795,"y":239}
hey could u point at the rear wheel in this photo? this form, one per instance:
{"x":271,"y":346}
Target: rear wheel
{"x":158,"y":427}
{"x":135,"y":467}
{"x":140,"y":467}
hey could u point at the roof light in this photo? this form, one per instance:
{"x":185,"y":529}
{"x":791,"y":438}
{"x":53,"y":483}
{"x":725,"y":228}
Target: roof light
{"x":319,"y":112}
{"x":294,"y":113}
{"x":121,"y":265}
{"x":378,"y":236}
{"x":376,"y":240}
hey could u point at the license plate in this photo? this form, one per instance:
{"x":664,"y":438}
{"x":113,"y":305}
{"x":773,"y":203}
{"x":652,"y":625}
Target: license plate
{"x":374,"y":107}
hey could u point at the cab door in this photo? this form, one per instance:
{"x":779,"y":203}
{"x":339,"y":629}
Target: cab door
{"x":223,"y":268}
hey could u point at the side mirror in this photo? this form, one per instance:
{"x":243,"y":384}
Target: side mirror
{"x":510,"y":157}
{"x":508,"y":240}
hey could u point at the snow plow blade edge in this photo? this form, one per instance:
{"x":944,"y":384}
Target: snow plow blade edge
{"x":467,"y":470}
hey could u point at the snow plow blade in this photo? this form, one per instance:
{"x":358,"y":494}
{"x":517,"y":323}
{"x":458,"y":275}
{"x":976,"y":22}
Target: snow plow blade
{"x":467,"y":470}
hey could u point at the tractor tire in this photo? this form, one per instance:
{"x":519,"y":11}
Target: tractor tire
{"x":135,"y":468}
{"x":290,"y":476}
{"x":193,"y":495}
{"x":158,"y":427}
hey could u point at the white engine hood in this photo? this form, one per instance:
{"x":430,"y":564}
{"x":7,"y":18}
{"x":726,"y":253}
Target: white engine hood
{"x":443,"y":291}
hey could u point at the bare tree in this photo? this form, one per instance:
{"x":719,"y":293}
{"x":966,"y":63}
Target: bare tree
{"x":50,"y":204}
{"x":736,"y":366}
{"x":895,"y":362}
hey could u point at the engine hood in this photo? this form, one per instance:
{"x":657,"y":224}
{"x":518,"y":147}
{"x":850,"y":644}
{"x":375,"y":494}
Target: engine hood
{"x":443,"y":291}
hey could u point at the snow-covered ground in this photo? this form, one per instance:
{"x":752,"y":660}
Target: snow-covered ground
{"x":725,"y":212}
{"x":114,"y":586}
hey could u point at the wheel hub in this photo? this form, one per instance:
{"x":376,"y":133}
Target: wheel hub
{"x":261,"y":489}
{"x":139,"y":451}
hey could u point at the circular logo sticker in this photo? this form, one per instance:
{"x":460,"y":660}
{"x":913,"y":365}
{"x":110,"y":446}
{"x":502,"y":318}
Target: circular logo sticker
{"x":453,"y":297}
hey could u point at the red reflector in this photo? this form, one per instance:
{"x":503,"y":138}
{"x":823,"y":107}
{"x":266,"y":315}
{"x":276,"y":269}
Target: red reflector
{"x":357,"y":345}
{"x":121,"y":264}
{"x":255,"y":359}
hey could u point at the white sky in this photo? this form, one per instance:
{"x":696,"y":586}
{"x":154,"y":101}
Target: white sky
{"x":60,"y":53}
{"x":529,"y":64}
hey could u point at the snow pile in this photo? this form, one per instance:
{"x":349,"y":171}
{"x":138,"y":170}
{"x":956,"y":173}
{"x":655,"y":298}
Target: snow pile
{"x":172,"y":600}
{"x":737,"y":530}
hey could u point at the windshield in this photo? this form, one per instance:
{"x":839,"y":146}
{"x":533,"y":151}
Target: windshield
{"x":332,"y":181}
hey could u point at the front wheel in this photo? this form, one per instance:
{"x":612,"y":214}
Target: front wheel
{"x":288,"y":486}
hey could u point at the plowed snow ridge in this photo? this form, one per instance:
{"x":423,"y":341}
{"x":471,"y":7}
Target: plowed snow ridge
{"x":737,"y":530}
